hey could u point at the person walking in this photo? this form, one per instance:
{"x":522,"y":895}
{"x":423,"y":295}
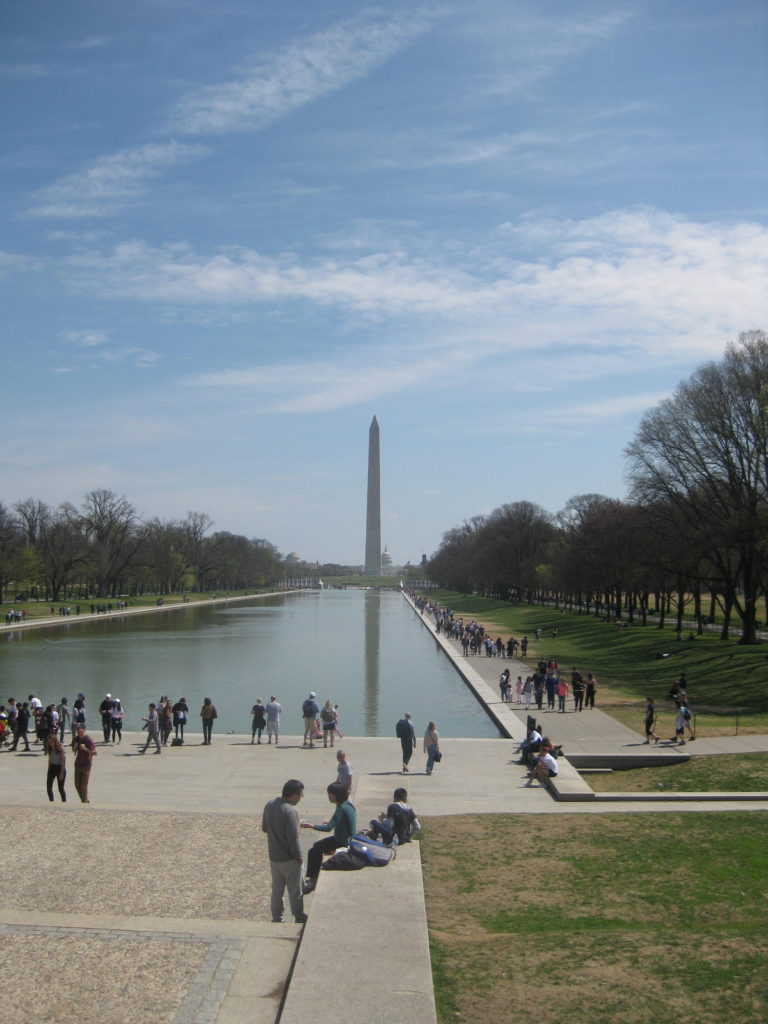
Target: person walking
{"x":105,"y":710}
{"x":64,"y":716}
{"x":562,"y":693}
{"x":538,"y":689}
{"x":504,"y":685}
{"x":166,"y":719}
{"x":44,"y":725}
{"x":78,"y":714}
{"x":208,"y":712}
{"x":590,"y":688}
{"x":280,"y":821}
{"x":577,"y":689}
{"x":258,"y":719}
{"x":407,"y":735}
{"x":432,"y":746}
{"x":85,"y":750}
{"x":57,"y":768}
{"x":650,"y":721}
{"x":274,"y":710}
{"x":153,"y":729}
{"x":22,"y":726}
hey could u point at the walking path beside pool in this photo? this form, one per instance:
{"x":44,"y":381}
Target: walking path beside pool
{"x":152,"y":902}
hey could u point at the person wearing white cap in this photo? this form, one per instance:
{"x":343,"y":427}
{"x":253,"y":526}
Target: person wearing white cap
{"x":310,"y":712}
{"x":117,"y":721}
{"x":105,"y":710}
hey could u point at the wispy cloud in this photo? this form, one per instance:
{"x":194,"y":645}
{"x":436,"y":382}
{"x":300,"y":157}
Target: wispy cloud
{"x":299,"y":74}
{"x":601,"y":297}
{"x":629,"y":275}
{"x":86,"y":339}
{"x":18,"y":261}
{"x":31,"y":69}
{"x":98,"y":352}
{"x":139,"y":358}
{"x":111,"y":181}
{"x":335,"y":382}
{"x":89,"y":43}
{"x":525,"y":46}
{"x":605,"y":409}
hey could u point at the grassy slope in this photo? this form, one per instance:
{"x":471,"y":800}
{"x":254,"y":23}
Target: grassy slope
{"x":626,"y":662}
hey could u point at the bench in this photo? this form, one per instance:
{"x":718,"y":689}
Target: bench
{"x":364,"y":951}
{"x":568,"y":784}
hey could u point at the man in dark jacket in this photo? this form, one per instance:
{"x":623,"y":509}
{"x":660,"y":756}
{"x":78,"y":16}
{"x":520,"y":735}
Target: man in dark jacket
{"x":407,"y":735}
{"x":22,"y":725}
{"x":105,"y":710}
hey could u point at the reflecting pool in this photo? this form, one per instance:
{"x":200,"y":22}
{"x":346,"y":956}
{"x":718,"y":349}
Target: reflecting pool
{"x":366,"y":650}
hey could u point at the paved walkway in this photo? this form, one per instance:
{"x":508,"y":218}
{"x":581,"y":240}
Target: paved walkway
{"x":154,"y":897}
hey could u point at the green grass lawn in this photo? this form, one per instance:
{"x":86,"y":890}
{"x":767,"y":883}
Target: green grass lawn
{"x":42,"y":609}
{"x":598,"y":919}
{"x":637,"y":661}
{"x":736,"y":773}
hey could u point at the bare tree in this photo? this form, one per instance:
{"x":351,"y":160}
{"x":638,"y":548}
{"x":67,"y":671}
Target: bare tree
{"x":703,"y":455}
{"x":11,"y":540}
{"x":114,"y":533}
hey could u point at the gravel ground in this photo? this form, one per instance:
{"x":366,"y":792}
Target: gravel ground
{"x":70,"y":977}
{"x":130,"y":863}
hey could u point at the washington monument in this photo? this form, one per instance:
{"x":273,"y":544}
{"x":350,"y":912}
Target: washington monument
{"x":373,"y":515}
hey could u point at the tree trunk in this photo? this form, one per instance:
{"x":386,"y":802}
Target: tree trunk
{"x":680,"y":606}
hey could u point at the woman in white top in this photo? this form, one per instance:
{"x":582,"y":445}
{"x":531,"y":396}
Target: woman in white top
{"x":431,"y":746}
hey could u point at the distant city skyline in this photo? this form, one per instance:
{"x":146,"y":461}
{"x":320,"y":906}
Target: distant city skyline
{"x":230,"y":238}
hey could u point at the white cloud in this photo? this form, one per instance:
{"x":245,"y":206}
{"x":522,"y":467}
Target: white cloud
{"x":111,"y":181}
{"x":89,"y":43}
{"x":376,"y":284}
{"x":636,"y":279}
{"x":301,"y":73}
{"x":140,"y":358}
{"x":336,"y":381}
{"x":99,"y":354}
{"x":523,"y":46}
{"x":608,"y":408}
{"x":17,"y":261}
{"x":86,"y":339}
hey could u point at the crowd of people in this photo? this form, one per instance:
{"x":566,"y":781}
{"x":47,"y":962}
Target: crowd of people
{"x":49,"y":724}
{"x":547,"y":682}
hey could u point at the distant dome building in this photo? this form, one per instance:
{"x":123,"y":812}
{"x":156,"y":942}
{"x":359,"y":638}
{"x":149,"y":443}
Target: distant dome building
{"x":292,"y":559}
{"x":387,"y":569}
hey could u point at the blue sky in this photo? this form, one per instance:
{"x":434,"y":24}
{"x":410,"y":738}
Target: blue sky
{"x":234,"y":231}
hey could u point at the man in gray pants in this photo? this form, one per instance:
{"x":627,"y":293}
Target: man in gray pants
{"x":280,"y":821}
